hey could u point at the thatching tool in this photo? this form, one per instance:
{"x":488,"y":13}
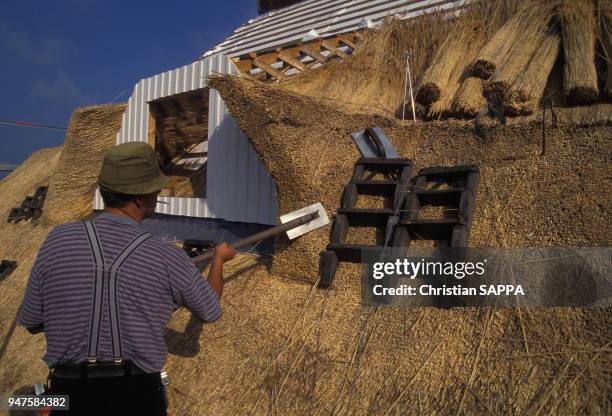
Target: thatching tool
{"x":294,"y":224}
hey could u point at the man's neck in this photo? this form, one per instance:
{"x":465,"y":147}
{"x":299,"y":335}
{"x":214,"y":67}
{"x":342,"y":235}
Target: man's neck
{"x":125,"y":212}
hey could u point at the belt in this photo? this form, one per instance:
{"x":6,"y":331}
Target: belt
{"x":96,"y":370}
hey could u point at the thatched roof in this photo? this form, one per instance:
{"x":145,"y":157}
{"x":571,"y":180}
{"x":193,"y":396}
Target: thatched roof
{"x":264,"y":6}
{"x":282,"y":346}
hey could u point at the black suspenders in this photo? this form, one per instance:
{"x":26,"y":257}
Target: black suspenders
{"x":107,"y":278}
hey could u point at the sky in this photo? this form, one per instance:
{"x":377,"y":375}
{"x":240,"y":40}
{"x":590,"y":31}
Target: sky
{"x":56,"y":55}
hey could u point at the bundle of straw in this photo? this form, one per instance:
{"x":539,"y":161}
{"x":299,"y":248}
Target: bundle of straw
{"x":524,"y":95}
{"x":495,"y":50}
{"x":524,"y":48}
{"x":580,"y":76}
{"x":470,"y":99}
{"x":442,"y":75}
{"x":605,"y":37}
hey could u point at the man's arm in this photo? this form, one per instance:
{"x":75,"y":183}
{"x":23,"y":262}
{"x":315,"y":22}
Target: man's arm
{"x":31,"y":313}
{"x":223,"y":253}
{"x":200,"y":296}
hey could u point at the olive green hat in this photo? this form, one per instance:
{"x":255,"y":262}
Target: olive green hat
{"x":132,"y":169}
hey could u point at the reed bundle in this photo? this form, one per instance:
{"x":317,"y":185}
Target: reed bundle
{"x":578,"y":28}
{"x":605,"y":37}
{"x":469,"y":100}
{"x":495,"y":50}
{"x":442,"y":75}
{"x":524,"y":95}
{"x":523,"y":50}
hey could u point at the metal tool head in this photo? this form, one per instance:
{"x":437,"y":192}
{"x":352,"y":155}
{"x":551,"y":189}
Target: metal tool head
{"x":318,"y":222}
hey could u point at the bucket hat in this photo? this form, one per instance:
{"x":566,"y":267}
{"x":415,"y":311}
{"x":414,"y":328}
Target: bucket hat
{"x":132,"y":169}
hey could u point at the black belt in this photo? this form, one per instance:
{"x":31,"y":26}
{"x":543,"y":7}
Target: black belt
{"x":96,"y":370}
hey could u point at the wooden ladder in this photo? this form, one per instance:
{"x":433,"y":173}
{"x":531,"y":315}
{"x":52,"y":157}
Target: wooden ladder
{"x":451,"y":190}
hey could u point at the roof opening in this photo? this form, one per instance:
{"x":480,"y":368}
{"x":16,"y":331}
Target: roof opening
{"x":178,"y":130}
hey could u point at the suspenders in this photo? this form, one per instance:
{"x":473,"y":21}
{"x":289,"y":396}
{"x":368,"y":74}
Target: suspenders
{"x":107,"y":279}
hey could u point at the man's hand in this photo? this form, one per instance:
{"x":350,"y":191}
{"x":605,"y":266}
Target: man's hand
{"x":224,"y":252}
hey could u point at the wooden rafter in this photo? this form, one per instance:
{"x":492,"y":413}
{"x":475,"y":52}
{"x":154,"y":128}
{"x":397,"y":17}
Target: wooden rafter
{"x":285,"y":57}
{"x":292,"y":57}
{"x":268,"y":69}
{"x":346,"y":39}
{"x":334,"y":50}
{"x":308,"y":50}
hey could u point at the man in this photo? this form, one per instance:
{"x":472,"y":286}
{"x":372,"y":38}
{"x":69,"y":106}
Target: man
{"x":103,"y":291}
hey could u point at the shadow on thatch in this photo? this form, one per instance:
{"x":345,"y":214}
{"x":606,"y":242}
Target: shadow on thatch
{"x":186,"y":343}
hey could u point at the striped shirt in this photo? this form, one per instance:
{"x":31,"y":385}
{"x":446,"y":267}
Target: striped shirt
{"x":154,"y":281}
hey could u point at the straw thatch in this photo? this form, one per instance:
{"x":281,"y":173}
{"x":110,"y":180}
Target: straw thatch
{"x":578,"y":28}
{"x":92,"y":131}
{"x":20,"y":242}
{"x":522,"y":202}
{"x":525,"y":93}
{"x":283,"y":347}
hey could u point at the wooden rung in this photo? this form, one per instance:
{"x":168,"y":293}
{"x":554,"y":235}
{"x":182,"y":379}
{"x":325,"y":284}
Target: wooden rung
{"x":330,"y":47}
{"x":269,"y":69}
{"x":312,"y":53}
{"x":285,"y":57}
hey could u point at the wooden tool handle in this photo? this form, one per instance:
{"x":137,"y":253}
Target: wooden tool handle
{"x":255,"y":238}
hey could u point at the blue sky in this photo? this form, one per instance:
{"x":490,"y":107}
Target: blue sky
{"x":56,"y":55}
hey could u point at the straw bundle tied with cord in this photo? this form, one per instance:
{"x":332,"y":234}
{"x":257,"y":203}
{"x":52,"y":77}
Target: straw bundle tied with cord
{"x":469,"y":99}
{"x":578,"y":28}
{"x":513,"y":66}
{"x":438,"y":76}
{"x":605,"y":37}
{"x":442,"y":78}
{"x":524,"y":95}
{"x":495,"y":50}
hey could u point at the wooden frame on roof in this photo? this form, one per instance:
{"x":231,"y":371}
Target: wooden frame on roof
{"x":284,"y":62}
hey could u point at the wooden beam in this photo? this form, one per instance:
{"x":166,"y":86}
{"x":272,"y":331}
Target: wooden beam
{"x":285,"y":57}
{"x":334,"y":50}
{"x":244,"y":65}
{"x":347,"y":41}
{"x":151,"y":129}
{"x":268,"y":69}
{"x":312,"y":53}
{"x":268,"y":58}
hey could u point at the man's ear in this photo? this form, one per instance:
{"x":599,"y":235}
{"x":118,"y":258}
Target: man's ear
{"x":138,"y":201}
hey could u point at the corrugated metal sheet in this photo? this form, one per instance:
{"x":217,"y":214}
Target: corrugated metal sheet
{"x":239,"y":188}
{"x":327,"y":17}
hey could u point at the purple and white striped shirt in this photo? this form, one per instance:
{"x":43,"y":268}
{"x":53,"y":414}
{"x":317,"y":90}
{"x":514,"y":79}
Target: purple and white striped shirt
{"x":154,"y":281}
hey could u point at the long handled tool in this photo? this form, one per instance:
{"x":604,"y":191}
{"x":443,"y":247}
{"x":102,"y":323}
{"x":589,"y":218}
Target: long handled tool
{"x":295,"y":224}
